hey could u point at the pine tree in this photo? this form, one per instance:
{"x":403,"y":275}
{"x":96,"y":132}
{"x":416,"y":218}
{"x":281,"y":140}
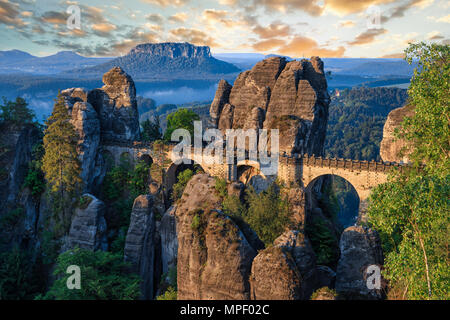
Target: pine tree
{"x":151,"y":131}
{"x":60,"y":162}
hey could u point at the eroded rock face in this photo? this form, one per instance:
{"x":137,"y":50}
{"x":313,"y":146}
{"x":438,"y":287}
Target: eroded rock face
{"x":275,"y":276}
{"x":360,"y":247}
{"x":116,"y":106}
{"x":391,"y":147}
{"x":88,"y":228}
{"x":290,"y":96}
{"x":214,"y":256}
{"x":87,"y":124}
{"x":169,"y":239}
{"x":221,"y":98}
{"x":140,"y":243}
{"x":16,"y":153}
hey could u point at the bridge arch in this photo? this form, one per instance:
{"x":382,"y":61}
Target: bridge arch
{"x":249,"y":173}
{"x":328,"y":191}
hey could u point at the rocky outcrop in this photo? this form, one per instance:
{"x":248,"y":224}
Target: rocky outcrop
{"x":140,"y":243}
{"x":87,"y":124}
{"x":286,"y":271}
{"x":169,"y":239}
{"x":360,"y":247}
{"x":214,"y":256}
{"x":108,"y":113}
{"x":88,"y":227}
{"x":221,"y":98}
{"x":275,"y":276}
{"x":116,"y":106}
{"x":290,"y":96}
{"x":391,"y":147}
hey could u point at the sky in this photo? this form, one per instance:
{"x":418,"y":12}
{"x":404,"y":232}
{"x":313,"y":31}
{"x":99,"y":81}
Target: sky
{"x":297,"y":28}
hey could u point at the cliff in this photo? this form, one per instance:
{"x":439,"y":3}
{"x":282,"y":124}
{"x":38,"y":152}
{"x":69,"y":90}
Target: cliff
{"x":276,"y":94}
{"x":391,"y":148}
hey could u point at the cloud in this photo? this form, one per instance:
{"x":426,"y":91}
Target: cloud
{"x":267,"y":45}
{"x":435,"y":35}
{"x":215,"y":15}
{"x":166,"y":3}
{"x":156,"y":18}
{"x":9,"y":14}
{"x":103,"y":29}
{"x":310,"y":6}
{"x":303,"y":46}
{"x":394,"y":55}
{"x":54,"y":17}
{"x":26,"y":13}
{"x":276,"y":29}
{"x":343,"y":7}
{"x":445,"y":19}
{"x":194,"y":36}
{"x":346,"y":24}
{"x":367,"y":36}
{"x":179,"y":17}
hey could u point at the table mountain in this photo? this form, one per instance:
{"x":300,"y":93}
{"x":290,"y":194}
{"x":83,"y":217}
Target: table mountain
{"x":165,"y":61}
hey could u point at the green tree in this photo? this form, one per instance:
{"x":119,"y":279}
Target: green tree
{"x":411,"y":210}
{"x":183,"y":179}
{"x":180,"y":119}
{"x":104,"y":276}
{"x":16,"y":112}
{"x":151,"y":130}
{"x":428,"y":130}
{"x":60,"y":163}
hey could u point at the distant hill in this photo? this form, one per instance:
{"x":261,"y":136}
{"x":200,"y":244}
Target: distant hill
{"x":16,"y":61}
{"x":382,"y":68}
{"x":13,"y":56}
{"x":168,"y":60}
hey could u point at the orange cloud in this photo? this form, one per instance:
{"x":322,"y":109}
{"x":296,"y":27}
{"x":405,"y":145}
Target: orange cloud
{"x":179,"y":17}
{"x":346,"y":24}
{"x":352,"y":6}
{"x":310,"y":6}
{"x":267,"y":45}
{"x":303,"y":46}
{"x":166,"y":3}
{"x":193,"y":36}
{"x":9,"y":13}
{"x":273,"y":30}
{"x":103,"y":28}
{"x":367,"y":36}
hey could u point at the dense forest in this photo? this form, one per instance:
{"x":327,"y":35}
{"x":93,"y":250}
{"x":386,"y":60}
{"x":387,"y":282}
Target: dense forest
{"x":356,"y":119}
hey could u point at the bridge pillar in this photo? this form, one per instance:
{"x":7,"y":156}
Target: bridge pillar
{"x":362,"y":212}
{"x":232,"y":172}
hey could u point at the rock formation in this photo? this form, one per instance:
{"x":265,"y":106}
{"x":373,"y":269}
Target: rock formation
{"x":116,"y":106}
{"x":88,"y":228}
{"x":360,"y":247}
{"x":286,"y":271}
{"x":169,"y":239}
{"x":290,"y":96}
{"x":214,"y":256}
{"x":275,"y":276}
{"x":391,"y":147}
{"x":86,"y":122}
{"x":16,"y":145}
{"x":140,"y":243}
{"x":168,"y":60}
{"x":108,"y":113}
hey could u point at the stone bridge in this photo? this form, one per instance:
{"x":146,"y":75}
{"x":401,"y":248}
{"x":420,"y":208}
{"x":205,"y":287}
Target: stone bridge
{"x":293,"y":170}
